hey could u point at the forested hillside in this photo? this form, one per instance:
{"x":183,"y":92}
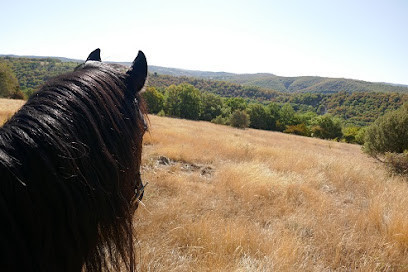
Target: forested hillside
{"x":32,"y":72}
{"x":222,"y":88}
{"x":358,"y":108}
{"x":312,"y":84}
{"x":351,"y":101}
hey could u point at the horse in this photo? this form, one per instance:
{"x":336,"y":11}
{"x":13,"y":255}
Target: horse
{"x":70,"y":171}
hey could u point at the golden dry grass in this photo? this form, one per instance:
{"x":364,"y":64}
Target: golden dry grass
{"x":8,"y":107}
{"x":248,"y":200}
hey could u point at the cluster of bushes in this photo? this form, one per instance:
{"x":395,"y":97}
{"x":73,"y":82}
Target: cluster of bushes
{"x":358,"y":108}
{"x":387,"y":140}
{"x":9,"y":87}
{"x":186,"y":101}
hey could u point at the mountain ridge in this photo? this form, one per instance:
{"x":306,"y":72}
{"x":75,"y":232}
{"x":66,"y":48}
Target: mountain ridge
{"x":313,"y":84}
{"x":298,"y":84}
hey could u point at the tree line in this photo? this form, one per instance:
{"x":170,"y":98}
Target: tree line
{"x":186,"y":101}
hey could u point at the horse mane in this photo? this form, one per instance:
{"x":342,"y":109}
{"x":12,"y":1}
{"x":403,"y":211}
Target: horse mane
{"x":69,"y":160}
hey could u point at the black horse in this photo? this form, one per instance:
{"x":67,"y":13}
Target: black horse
{"x":70,"y":171}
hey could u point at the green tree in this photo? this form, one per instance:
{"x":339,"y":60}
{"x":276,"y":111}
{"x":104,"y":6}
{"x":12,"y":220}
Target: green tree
{"x":8,"y":81}
{"x":259,"y":117}
{"x":236,"y":103}
{"x":190,"y":102}
{"x":273,"y":110}
{"x":154,"y":100}
{"x":172,"y":101}
{"x":183,"y":101}
{"x":239,"y":119}
{"x":211,"y":106}
{"x":326,"y":127}
{"x":287,"y":117}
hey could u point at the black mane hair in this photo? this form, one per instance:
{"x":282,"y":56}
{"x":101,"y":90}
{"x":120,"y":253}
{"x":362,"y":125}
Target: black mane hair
{"x":69,"y":165}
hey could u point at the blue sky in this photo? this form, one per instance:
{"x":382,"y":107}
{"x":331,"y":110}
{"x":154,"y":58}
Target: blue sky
{"x":358,"y":39}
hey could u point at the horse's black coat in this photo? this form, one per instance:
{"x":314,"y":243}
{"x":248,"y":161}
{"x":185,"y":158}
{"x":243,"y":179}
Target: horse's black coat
{"x":69,"y":164}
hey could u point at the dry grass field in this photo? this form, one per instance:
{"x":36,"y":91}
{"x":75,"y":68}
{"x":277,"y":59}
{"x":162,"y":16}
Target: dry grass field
{"x":8,"y":107}
{"x":224,"y":199}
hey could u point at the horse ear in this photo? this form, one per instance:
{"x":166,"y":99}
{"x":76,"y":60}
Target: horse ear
{"x":95,"y":55}
{"x":136,"y":75}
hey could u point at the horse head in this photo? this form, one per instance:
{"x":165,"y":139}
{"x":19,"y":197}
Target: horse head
{"x":70,"y":170}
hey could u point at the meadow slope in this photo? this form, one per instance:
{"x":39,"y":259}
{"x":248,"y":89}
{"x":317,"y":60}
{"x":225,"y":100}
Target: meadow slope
{"x":224,"y":199}
{"x":8,"y":107}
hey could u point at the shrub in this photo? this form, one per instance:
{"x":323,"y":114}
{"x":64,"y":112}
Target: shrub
{"x":239,"y":119}
{"x":299,"y":129}
{"x":220,"y":120}
{"x":17,"y":94}
{"x":326,"y":127}
{"x":397,"y":163}
{"x":161,"y":113}
{"x":360,"y":136}
{"x":388,"y":133}
{"x":350,"y":134}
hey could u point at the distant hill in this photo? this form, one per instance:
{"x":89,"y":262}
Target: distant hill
{"x":42,"y":57}
{"x":303,"y":84}
{"x":191,"y":73}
